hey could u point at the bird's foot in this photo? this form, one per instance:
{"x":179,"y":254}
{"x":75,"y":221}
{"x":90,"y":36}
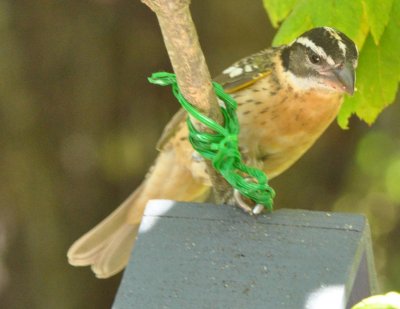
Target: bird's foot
{"x":246,"y":204}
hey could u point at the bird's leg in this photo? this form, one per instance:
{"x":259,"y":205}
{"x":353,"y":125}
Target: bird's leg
{"x":235,"y":198}
{"x":247,"y":204}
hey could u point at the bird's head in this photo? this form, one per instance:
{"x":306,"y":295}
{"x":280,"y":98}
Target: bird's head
{"x":321,"y":58}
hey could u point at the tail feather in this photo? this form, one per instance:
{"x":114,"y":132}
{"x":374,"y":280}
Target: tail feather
{"x":115,"y":255}
{"x":88,"y":249}
{"x":107,"y":247}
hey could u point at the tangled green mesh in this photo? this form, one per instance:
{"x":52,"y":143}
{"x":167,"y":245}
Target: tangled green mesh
{"x":222,"y":147}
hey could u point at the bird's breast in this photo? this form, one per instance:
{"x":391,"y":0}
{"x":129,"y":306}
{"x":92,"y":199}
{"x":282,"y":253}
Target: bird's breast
{"x":278,"y":125}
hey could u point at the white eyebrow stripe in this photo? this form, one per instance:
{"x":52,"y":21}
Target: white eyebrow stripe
{"x":333,"y":33}
{"x":342,"y":47}
{"x":310,"y":44}
{"x":336,"y":36}
{"x":330,"y":60}
{"x":318,"y":50}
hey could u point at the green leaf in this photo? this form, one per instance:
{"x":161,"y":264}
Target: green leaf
{"x":297,"y":22}
{"x":278,"y":10}
{"x":378,"y":74}
{"x":346,"y":16}
{"x":374,"y":25}
{"x":378,"y":13}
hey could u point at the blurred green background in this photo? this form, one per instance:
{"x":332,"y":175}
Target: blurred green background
{"x":79,"y":121}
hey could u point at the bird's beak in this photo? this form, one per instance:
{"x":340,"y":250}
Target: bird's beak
{"x":344,"y":78}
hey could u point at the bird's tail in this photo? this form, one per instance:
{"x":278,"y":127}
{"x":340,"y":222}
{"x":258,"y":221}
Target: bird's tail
{"x":107,"y":247}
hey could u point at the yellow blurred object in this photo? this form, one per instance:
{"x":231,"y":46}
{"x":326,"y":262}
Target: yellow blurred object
{"x":388,"y":301}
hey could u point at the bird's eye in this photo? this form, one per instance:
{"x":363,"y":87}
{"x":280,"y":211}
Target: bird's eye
{"x":315,"y":59}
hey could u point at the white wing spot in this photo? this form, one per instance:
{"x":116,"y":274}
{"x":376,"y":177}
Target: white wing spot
{"x":233,"y":71}
{"x":248,"y":68}
{"x":228,"y":70}
{"x":236,"y":72}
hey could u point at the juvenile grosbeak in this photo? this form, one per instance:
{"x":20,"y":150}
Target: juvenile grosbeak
{"x":287,"y":96}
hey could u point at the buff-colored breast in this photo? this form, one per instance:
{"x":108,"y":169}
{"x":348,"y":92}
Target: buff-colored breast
{"x":279,"y":125}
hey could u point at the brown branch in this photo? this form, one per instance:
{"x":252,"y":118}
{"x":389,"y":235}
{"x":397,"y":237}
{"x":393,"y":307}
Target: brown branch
{"x":191,"y":70}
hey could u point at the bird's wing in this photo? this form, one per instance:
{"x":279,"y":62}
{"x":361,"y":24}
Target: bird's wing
{"x":171,"y":128}
{"x":238,"y":76}
{"x":246,"y":71}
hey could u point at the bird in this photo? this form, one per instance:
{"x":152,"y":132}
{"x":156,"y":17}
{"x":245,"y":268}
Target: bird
{"x":287,"y":96}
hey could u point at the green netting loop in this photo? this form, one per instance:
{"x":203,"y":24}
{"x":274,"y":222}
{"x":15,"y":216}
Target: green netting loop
{"x":222,"y":147}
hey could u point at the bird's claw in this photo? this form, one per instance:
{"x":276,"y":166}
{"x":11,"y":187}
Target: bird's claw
{"x":252,"y":210}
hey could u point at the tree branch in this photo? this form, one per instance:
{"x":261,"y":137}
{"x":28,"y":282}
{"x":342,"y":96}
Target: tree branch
{"x":191,"y":70}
